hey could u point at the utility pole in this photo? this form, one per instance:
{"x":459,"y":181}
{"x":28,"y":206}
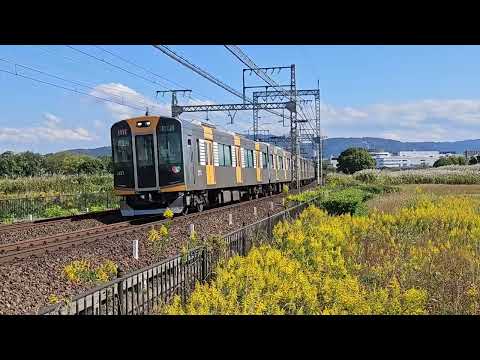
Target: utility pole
{"x":174,"y":97}
{"x":294,"y":144}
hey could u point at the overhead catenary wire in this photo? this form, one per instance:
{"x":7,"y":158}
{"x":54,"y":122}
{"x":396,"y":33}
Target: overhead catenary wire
{"x":149,"y":71}
{"x":75,"y":82}
{"x":131,"y":72}
{"x":118,"y":67}
{"x":132,"y":104}
{"x":184,"y":61}
{"x":69,"y":89}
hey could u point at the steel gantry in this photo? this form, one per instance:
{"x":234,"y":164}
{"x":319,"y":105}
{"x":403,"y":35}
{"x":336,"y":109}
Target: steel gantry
{"x":286,"y":91}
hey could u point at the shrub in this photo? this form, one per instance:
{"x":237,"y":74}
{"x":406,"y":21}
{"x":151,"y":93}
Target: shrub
{"x":344,"y":202}
{"x":355,"y":159}
{"x":82,"y":272}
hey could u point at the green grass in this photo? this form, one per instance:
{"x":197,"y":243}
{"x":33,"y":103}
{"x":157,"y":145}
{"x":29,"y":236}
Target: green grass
{"x":55,"y":185}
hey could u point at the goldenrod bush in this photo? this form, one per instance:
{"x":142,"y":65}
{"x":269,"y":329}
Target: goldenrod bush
{"x":264,"y":282}
{"x":423,"y":259}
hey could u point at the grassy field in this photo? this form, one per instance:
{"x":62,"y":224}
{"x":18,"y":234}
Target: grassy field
{"x":53,"y":196}
{"x":390,"y":203}
{"x":451,"y":174}
{"x":54,"y":185}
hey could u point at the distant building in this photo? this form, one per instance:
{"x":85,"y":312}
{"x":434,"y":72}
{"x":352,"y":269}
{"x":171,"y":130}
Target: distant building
{"x":333,"y":161}
{"x":406,"y":159}
{"x":419,"y":153}
{"x":469,"y":153}
{"x":396,"y":161}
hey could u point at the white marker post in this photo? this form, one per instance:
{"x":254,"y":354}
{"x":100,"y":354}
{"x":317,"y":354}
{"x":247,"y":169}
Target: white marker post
{"x":192,"y":229}
{"x":30,"y":217}
{"x":135,"y":249}
{"x":255,"y":211}
{"x":230,"y":219}
{"x":271,"y":205}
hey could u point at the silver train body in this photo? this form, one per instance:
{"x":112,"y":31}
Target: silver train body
{"x":162,"y":162}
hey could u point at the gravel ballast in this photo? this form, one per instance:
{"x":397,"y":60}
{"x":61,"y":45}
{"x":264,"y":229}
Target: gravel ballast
{"x":27,"y":284}
{"x":10,"y":236}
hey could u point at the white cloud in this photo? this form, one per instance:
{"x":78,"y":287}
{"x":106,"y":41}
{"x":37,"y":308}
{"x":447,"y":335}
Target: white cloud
{"x":51,"y":120}
{"x":423,"y":120}
{"x":123,"y":94}
{"x":50,"y":132}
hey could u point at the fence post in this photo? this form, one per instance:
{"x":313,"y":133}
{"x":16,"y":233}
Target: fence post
{"x":121,"y":299}
{"x":204,"y":263}
{"x":244,"y":240}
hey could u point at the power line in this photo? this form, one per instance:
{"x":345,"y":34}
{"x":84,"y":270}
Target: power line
{"x":182,"y":60}
{"x":147,"y":70}
{"x":69,"y":89}
{"x":118,"y":67}
{"x":167,"y":51}
{"x":243,"y":57}
{"x":76,"y":82}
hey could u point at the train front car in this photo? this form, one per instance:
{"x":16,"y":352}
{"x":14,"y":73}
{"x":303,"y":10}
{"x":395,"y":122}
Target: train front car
{"x":148,"y":157}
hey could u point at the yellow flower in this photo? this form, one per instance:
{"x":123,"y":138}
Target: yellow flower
{"x":168,"y":214}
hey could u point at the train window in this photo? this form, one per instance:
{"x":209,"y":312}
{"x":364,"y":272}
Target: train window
{"x":265,"y":160}
{"x":144,"y":146}
{"x":272,"y":165}
{"x":189,"y":142}
{"x":249,"y":158}
{"x":227,"y":155}
{"x":221,"y":155}
{"x":122,"y":149}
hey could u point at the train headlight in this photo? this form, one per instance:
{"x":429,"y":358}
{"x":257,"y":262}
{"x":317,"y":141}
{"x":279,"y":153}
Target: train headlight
{"x":143,"y":123}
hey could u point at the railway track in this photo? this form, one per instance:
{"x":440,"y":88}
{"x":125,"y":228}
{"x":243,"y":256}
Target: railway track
{"x":26,"y":224}
{"x":38,"y":246}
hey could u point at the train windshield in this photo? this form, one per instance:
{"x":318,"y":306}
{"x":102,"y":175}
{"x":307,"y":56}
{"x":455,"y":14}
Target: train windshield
{"x":170,"y":154}
{"x":169,"y":144}
{"x":122,"y":153}
{"x":122,"y":149}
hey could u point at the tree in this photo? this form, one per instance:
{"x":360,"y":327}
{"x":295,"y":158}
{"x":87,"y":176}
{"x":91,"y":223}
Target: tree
{"x":107,"y":163}
{"x":450,"y":160}
{"x":355,"y":159}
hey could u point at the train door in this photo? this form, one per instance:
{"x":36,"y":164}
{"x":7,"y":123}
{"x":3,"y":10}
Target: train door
{"x":210,"y":168}
{"x":257,"y":162}
{"x":145,"y":162}
{"x":191,"y":171}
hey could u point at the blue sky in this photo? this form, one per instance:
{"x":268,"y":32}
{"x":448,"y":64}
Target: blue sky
{"x":409,"y":93}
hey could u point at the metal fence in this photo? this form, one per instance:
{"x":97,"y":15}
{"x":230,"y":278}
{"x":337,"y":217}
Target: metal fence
{"x":146,"y":290}
{"x":45,"y":206}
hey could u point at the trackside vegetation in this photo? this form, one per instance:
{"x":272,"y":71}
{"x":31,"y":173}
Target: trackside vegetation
{"x":423,"y":259}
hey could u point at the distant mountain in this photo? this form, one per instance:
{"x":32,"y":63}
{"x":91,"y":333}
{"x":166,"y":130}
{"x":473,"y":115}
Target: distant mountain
{"x":334,"y":146}
{"x":101,"y":151}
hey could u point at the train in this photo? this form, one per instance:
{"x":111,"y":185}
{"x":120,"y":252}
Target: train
{"x":164,"y":162}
